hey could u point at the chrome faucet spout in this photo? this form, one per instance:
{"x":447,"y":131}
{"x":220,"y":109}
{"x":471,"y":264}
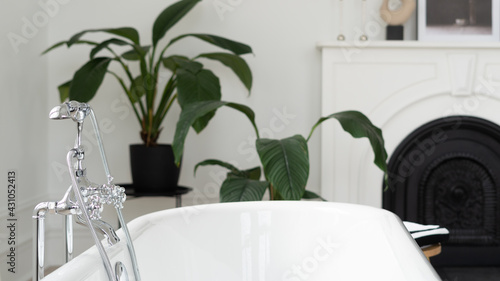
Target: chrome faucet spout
{"x":103,"y":227}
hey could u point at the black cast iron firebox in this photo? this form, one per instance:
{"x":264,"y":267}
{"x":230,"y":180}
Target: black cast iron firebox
{"x":447,"y":172}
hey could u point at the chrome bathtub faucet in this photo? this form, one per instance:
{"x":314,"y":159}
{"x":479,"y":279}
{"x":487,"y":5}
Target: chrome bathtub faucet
{"x":84,"y":200}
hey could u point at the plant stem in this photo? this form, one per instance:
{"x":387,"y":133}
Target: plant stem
{"x":165,"y":101}
{"x":128,"y":95}
{"x":130,"y":77}
{"x":271,"y":191}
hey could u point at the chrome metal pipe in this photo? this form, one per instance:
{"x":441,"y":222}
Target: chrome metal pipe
{"x":118,"y":205}
{"x":39,"y":241}
{"x":68,"y":209}
{"x":100,"y":146}
{"x":68,"y":226}
{"x":130,"y":245}
{"x":39,"y":214}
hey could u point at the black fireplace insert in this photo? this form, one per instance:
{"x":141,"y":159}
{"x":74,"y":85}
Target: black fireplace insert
{"x":447,"y":172}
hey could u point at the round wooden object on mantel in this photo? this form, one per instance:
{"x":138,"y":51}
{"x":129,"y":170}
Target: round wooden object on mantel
{"x":398,"y":16}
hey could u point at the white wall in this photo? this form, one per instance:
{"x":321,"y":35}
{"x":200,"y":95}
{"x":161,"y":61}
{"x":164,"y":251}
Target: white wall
{"x":286,"y":67}
{"x":285,"y":64}
{"x":23,"y":142}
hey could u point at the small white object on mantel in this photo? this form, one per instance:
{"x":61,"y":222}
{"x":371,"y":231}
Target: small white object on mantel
{"x":400,"y":86}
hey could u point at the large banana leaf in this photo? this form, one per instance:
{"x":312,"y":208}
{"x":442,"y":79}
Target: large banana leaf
{"x":136,"y":53}
{"x":55,"y":46}
{"x":64,"y":91}
{"x":359,"y":126}
{"x":311,"y":195}
{"x":286,"y":165}
{"x":236,"y":189}
{"x":202,"y":85}
{"x":105,"y":44}
{"x":126,"y":32}
{"x":169,"y":17}
{"x":208,"y":162}
{"x":88,"y":79}
{"x":194,"y":111}
{"x":221,"y":42}
{"x":173,"y":62}
{"x":64,"y":43}
{"x":236,"y":63}
{"x":253,"y":173}
{"x":137,"y":89}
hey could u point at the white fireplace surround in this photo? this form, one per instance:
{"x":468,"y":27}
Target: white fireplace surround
{"x":399,"y":85}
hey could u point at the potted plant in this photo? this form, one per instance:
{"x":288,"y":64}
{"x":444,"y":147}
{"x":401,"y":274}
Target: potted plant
{"x":285,"y":162}
{"x":151,"y":94}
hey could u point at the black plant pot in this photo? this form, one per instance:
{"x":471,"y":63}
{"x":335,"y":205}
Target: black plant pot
{"x":153,"y":168}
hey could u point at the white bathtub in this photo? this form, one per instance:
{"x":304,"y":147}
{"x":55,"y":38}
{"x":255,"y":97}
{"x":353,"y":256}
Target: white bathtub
{"x":270,"y":241}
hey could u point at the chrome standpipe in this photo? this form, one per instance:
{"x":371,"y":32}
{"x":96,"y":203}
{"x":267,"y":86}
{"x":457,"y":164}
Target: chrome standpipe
{"x":62,"y":207}
{"x":68,"y":237}
{"x":84,"y":199}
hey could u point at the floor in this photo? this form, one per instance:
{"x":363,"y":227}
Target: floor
{"x":469,"y":273}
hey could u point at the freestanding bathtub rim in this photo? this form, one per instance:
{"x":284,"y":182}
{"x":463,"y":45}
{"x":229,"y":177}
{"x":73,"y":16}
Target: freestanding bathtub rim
{"x":190,"y":214}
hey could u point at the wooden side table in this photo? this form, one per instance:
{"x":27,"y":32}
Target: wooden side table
{"x":431,"y":250}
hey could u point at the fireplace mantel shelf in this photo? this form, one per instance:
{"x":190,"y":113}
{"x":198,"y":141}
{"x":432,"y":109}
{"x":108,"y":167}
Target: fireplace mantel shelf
{"x":408,"y":44}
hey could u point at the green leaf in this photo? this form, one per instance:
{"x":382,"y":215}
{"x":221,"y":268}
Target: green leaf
{"x":311,"y":195}
{"x":236,"y":63}
{"x":173,"y":62}
{"x":169,"y":17}
{"x":218,"y":163}
{"x":88,"y":79}
{"x":186,"y":64}
{"x":194,"y":111}
{"x":136,"y":53}
{"x":227,"y":44}
{"x":137,"y":89}
{"x":105,"y":44}
{"x":236,"y":189}
{"x":253,"y":173}
{"x":126,"y":32}
{"x":64,"y":91}
{"x":62,"y":43}
{"x":286,"y":165}
{"x":56,"y":45}
{"x":200,"y":86}
{"x":359,"y":126}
